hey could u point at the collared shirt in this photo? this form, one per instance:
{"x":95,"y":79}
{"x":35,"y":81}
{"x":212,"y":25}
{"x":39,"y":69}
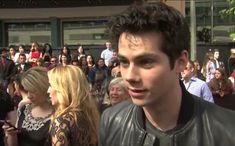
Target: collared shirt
{"x":199,"y":88}
{"x":107,"y":54}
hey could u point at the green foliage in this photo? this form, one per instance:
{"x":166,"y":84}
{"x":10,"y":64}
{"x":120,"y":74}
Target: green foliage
{"x":229,"y":11}
{"x":232,"y":35}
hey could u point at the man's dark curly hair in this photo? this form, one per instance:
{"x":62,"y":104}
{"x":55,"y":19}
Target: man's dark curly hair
{"x":159,"y":18}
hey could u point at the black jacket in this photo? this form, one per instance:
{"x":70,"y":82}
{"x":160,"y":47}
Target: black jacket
{"x":200,"y":123}
{"x":8,"y":70}
{"x":27,"y":66}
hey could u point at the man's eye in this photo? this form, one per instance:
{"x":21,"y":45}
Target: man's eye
{"x":147,"y":63}
{"x":124,"y":63}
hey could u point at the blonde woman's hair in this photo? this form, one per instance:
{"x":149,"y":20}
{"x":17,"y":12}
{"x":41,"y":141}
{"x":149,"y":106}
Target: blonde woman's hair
{"x":73,"y":95}
{"x":35,"y":80}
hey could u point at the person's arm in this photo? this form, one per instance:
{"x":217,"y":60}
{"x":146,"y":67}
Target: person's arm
{"x":102,"y":129}
{"x":102,"y":55}
{"x":59,"y":133}
{"x":30,"y":57}
{"x":228,"y":89}
{"x":11,"y":138}
{"x":10,"y":135}
{"x":10,"y":132}
{"x":206,"y":93}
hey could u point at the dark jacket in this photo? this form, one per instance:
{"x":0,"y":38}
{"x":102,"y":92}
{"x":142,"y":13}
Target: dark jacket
{"x":27,"y":66}
{"x":220,"y":63}
{"x":8,"y":70}
{"x":200,"y":123}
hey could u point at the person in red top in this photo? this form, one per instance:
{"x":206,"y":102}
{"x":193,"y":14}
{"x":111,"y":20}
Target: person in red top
{"x":34,"y":54}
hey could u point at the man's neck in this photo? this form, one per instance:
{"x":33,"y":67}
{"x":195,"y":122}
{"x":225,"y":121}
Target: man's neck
{"x":187,"y":79}
{"x":164,"y":115}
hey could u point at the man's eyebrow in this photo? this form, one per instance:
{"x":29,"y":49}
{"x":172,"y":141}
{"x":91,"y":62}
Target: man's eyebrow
{"x":120,"y":56}
{"x":144,"y":55}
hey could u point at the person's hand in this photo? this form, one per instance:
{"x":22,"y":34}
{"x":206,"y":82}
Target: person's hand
{"x":9,"y":130}
{"x":221,"y":94}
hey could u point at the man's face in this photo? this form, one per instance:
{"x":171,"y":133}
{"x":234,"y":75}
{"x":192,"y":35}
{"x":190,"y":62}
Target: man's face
{"x":53,"y":61}
{"x":188,"y":72}
{"x":108,"y":45}
{"x":101,"y":63}
{"x":115,"y":55}
{"x":22,"y":59}
{"x":146,"y":69}
{"x":216,"y":55}
{"x":3,"y":54}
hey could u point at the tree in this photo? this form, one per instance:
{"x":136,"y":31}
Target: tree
{"x":229,"y":12}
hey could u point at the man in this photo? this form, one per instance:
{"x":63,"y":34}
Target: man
{"x":193,"y":84}
{"x":153,"y":44}
{"x":21,"y":51}
{"x":53,"y":63}
{"x":22,"y":66}
{"x":113,"y":62}
{"x":216,"y":61}
{"x":7,"y":68}
{"x":107,"y":54}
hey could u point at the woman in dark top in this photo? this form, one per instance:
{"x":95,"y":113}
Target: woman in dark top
{"x":80,"y":52}
{"x":34,"y":117}
{"x":220,"y":85}
{"x":65,"y":51}
{"x":76,"y":117}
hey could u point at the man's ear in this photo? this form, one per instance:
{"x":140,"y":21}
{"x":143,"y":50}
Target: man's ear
{"x":182,"y":61}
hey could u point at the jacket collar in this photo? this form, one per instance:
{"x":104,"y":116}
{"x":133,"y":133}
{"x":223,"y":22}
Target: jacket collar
{"x":186,"y":110}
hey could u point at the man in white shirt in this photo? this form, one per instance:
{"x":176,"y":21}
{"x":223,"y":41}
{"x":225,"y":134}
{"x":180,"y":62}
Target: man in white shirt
{"x":194,"y":85}
{"x":107,"y":54}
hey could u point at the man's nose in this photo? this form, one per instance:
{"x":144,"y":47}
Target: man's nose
{"x":132,"y":73}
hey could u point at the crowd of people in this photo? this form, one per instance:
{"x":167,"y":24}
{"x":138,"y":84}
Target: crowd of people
{"x":44,"y":94}
{"x":146,"y":92}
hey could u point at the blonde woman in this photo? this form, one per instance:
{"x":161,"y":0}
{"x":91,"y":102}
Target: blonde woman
{"x":76,"y":117}
{"x":34,"y":117}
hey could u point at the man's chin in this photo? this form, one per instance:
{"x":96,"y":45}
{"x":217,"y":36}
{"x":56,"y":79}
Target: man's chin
{"x":139,"y":102}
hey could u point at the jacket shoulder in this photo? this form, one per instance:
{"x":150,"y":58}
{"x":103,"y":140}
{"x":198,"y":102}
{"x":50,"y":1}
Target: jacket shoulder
{"x":218,"y":115}
{"x":114,"y":121}
{"x":119,"y":110}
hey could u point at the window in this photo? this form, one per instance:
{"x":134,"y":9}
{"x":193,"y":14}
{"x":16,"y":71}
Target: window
{"x":85,"y":32}
{"x":25,"y":33}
